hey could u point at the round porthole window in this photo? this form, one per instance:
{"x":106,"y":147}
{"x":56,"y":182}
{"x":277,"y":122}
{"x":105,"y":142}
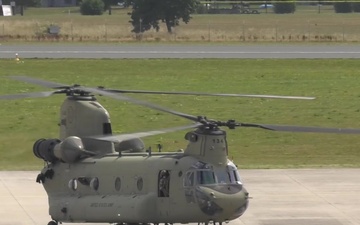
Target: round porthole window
{"x":140,"y":183}
{"x":118,"y":184}
{"x":73,"y":184}
{"x":94,"y":183}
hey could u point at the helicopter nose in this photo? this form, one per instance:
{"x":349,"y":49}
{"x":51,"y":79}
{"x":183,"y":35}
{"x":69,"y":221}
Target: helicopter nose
{"x":242,"y":204}
{"x":226,"y":201}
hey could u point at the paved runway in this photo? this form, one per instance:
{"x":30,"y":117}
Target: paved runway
{"x":279,"y":197}
{"x":180,"y":51}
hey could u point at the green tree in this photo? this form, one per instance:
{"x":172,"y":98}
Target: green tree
{"x":92,"y":7}
{"x":29,"y":3}
{"x":147,"y":14}
{"x":108,"y":3}
{"x":342,"y":7}
{"x":356,"y":6}
{"x":284,"y":6}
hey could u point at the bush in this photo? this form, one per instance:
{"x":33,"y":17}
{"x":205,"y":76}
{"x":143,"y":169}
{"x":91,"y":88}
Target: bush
{"x":356,"y":6}
{"x":92,"y":7}
{"x":201,"y":9}
{"x":28,"y":3}
{"x":342,"y":7}
{"x":284,"y":6}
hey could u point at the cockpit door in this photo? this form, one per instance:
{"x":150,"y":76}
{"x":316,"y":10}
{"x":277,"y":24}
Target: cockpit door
{"x":189,"y":186}
{"x":164,"y":194}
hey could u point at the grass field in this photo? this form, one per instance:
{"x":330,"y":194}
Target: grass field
{"x":333,"y":82}
{"x":305,"y":25}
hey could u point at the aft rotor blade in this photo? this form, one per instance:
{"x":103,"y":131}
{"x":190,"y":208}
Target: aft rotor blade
{"x":209,"y":94}
{"x":289,"y":128}
{"x":139,"y":102}
{"x":29,"y":95}
{"x":39,"y":82}
{"x":123,"y":137}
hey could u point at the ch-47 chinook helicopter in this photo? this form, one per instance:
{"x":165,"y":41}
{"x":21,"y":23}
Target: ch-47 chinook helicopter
{"x":92,"y":175}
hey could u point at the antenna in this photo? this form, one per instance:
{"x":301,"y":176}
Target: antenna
{"x":159,"y":147}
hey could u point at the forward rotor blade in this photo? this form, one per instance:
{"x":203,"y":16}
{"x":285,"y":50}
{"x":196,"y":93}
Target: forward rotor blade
{"x":39,"y":82}
{"x":139,"y":102}
{"x":123,"y":137}
{"x":209,"y":94}
{"x":29,"y":95}
{"x":289,"y":128}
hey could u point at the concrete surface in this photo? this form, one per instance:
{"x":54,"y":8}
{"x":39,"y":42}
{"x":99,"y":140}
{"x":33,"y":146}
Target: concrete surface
{"x":278,"y":51}
{"x":279,"y":197}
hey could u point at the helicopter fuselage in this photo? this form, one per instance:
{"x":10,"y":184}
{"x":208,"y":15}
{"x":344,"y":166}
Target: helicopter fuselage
{"x":92,"y":175}
{"x":144,"y":188}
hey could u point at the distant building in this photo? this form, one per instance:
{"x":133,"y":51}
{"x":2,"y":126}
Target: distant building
{"x":58,"y":3}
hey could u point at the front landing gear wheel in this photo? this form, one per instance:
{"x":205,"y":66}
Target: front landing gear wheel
{"x":52,"y":223}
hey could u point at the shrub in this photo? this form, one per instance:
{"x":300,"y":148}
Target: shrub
{"x":92,"y":7}
{"x":201,"y":9}
{"x":29,"y":3}
{"x":356,"y":6}
{"x":342,"y":7}
{"x":284,"y":6}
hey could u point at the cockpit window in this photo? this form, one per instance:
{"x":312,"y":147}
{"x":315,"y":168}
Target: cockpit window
{"x":227,"y":175}
{"x":189,"y":179}
{"x":234,"y":174}
{"x":205,"y":177}
{"x":206,"y":174}
{"x":223,"y":176}
{"x":234,"y":177}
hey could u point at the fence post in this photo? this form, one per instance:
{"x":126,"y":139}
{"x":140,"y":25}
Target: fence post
{"x":343,"y":31}
{"x":72,"y":31}
{"x":276,"y":31}
{"x":3,"y":29}
{"x":174,"y":32}
{"x":209,"y":38}
{"x":243,"y":30}
{"x":105,"y":27}
{"x":140,"y":37}
{"x":308,"y":30}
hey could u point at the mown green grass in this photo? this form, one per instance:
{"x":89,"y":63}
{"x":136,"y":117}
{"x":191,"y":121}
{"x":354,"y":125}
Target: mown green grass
{"x":333,"y":82}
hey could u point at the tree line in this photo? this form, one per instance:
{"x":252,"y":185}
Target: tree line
{"x":148,"y":14}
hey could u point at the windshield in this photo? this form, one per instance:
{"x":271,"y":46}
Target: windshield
{"x":207,"y":175}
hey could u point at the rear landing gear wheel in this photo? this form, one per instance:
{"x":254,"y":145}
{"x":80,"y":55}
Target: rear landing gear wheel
{"x":52,"y":223}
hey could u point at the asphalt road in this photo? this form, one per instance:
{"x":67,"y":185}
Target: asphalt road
{"x":179,"y":51}
{"x":279,"y":197}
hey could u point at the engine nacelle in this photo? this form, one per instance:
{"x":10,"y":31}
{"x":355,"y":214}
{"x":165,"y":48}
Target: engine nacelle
{"x":44,"y":149}
{"x":69,"y":150}
{"x":130,"y":145}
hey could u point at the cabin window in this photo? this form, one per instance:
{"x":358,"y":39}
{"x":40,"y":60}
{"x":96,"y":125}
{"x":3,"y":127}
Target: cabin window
{"x":94,"y":183}
{"x":140,"y":183}
{"x":117,"y":184}
{"x":164,"y":183}
{"x":73,"y":184}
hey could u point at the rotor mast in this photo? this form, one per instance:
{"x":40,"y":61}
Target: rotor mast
{"x":208,"y":144}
